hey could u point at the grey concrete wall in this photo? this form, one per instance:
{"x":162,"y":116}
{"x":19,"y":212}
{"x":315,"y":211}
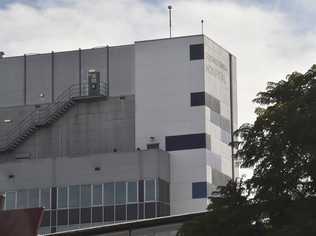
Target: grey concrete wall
{"x":66,"y":71}
{"x":125,"y":166}
{"x":52,"y":75}
{"x":94,"y":59}
{"x":122,"y":70}
{"x":38,"y":79}
{"x":12,"y":81}
{"x":87,"y":128}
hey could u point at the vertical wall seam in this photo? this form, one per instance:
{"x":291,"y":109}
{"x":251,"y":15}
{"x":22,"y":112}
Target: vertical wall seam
{"x":24,"y":98}
{"x":79,"y":68}
{"x":108,"y":70}
{"x":231,"y":113}
{"x":53,"y":76}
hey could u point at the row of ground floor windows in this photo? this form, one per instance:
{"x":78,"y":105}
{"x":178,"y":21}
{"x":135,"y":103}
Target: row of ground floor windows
{"x":90,"y":195}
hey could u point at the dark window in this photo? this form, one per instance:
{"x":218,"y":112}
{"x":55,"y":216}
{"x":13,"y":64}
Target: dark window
{"x":97,"y":194}
{"x":62,"y":197}
{"x":108,"y":193}
{"x":199,"y":190}
{"x":62,"y":217}
{"x":85,"y":195}
{"x":198,"y":99}
{"x":46,"y":219}
{"x":196,"y":51}
{"x":22,"y":199}
{"x":141,"y":211}
{"x":109,"y":213}
{"x":73,"y":216}
{"x":97,"y":214}
{"x":45,"y":198}
{"x":132,"y":212}
{"x":10,"y":200}
{"x":132,"y":192}
{"x":150,"y":190}
{"x":150,"y":210}
{"x":153,"y":146}
{"x":120,"y":213}
{"x":74,"y":196}
{"x":120,"y":193}
{"x":85,"y":215}
{"x":53,"y":218}
{"x":141,"y":190}
{"x":183,"y":142}
{"x":54,"y":197}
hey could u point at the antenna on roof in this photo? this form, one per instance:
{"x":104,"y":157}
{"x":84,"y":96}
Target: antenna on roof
{"x":202,"y":24}
{"x":170,"y":7}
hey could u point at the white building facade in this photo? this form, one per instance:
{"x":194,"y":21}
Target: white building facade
{"x":154,"y":118}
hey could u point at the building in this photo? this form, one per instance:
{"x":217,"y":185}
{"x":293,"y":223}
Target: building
{"x":110,"y":134}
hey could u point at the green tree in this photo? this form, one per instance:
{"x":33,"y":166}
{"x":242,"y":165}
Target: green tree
{"x":281,"y":148}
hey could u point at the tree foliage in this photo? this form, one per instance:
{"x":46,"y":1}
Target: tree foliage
{"x":279,"y":199}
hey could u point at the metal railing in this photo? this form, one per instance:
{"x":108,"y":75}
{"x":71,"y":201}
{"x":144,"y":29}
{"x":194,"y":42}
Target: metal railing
{"x":44,"y":115}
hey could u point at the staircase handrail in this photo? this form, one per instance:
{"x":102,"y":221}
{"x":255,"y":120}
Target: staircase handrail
{"x":41,"y":116}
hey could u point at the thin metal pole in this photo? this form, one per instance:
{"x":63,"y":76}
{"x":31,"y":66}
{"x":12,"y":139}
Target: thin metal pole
{"x":202,"y":23}
{"x":170,"y":7}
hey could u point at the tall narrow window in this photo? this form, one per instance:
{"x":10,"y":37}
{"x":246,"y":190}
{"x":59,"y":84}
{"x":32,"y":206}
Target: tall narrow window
{"x":132,"y":192}
{"x":120,"y":193}
{"x":33,"y":198}
{"x":108,"y":189}
{"x":22,"y":199}
{"x":10,"y":200}
{"x":74,"y":196}
{"x":62,"y":197}
{"x":150,"y":190}
{"x":45,"y":198}
{"x":97,"y":194}
{"x":85,"y":195}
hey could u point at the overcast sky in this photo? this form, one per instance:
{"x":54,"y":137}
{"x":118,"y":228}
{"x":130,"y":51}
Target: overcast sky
{"x":270,"y":38}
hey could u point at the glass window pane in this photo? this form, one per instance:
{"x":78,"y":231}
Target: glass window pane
{"x":97,"y":194}
{"x":33,"y":198}
{"x":120,"y":193}
{"x":22,"y":199}
{"x":108,"y":190}
{"x":74,"y":196}
{"x":85,"y":195}
{"x":132,"y":191}
{"x":150,"y":190}
{"x":62,"y":197}
{"x":45,"y":198}
{"x":10,"y":200}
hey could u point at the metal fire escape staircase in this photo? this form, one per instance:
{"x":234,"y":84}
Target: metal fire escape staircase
{"x":46,"y":115}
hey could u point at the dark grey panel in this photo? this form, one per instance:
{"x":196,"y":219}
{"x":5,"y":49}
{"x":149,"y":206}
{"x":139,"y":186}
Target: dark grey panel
{"x":74,"y":216}
{"x":196,"y":51}
{"x":85,"y":215}
{"x":39,"y":79}
{"x":199,"y":190}
{"x":132,"y":211}
{"x":120,"y":212}
{"x":97,"y":214}
{"x":197,"y":99}
{"x":46,"y":219}
{"x":62,"y":217}
{"x":150,"y":210}
{"x":187,"y":141}
{"x":108,"y":213}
